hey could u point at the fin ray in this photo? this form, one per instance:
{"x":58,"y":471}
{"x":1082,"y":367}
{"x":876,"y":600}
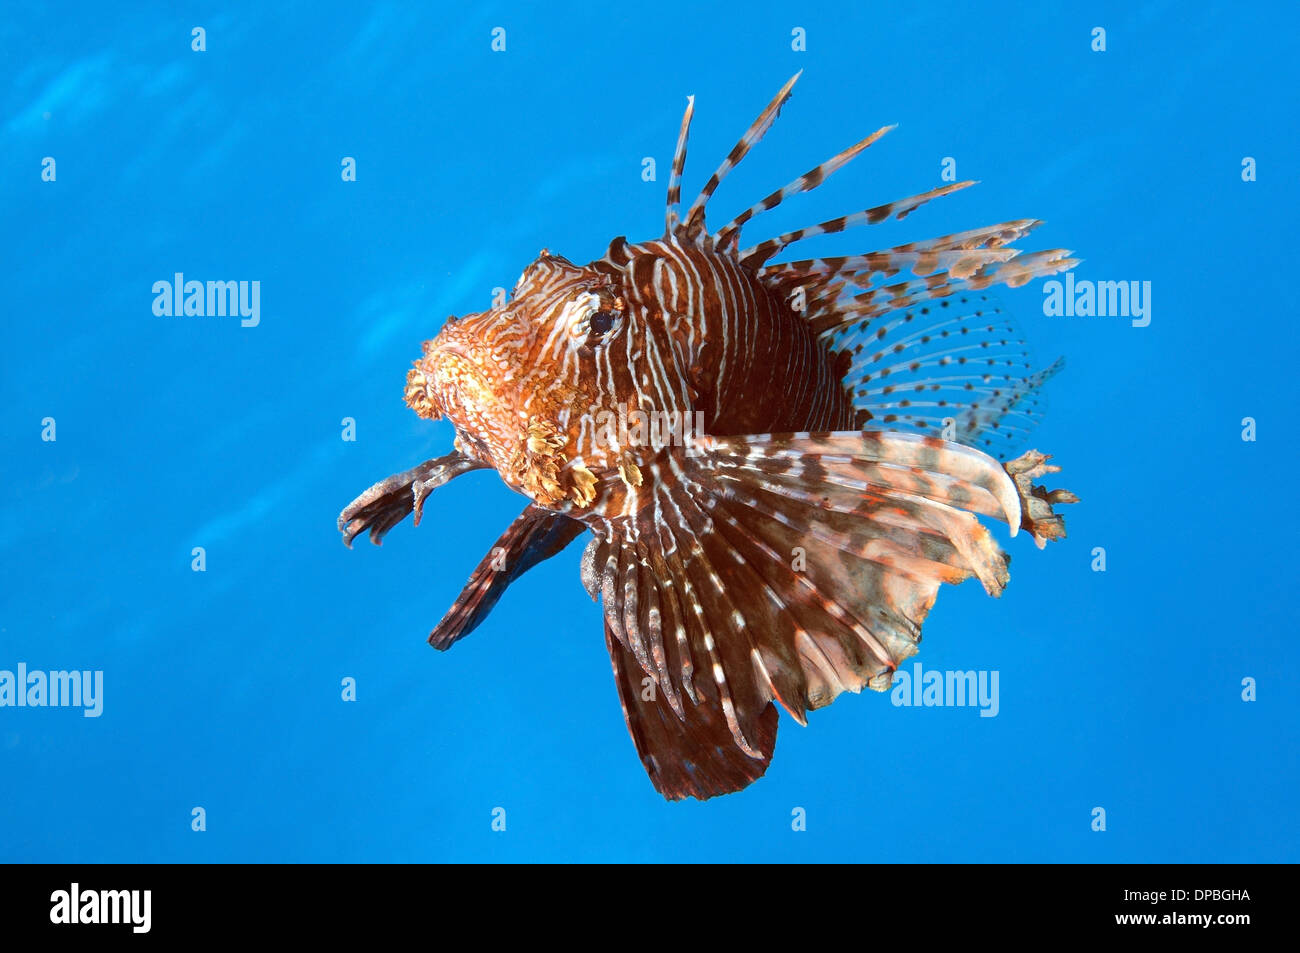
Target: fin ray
{"x":679,"y":164}
{"x":535,"y":535}
{"x":789,"y":568}
{"x":695,"y":215}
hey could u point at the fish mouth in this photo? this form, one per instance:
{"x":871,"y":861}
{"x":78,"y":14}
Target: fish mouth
{"x":448,"y":382}
{"x":460,"y":380}
{"x":452,"y":348}
{"x":454,"y":381}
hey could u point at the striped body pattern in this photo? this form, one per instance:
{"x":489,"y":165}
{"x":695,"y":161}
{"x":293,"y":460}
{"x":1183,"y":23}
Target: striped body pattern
{"x":775,"y":464}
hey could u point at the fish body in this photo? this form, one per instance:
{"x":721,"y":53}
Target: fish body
{"x":775,"y":464}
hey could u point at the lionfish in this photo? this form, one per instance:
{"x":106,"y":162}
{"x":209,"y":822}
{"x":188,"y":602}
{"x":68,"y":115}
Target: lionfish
{"x":801,"y":473}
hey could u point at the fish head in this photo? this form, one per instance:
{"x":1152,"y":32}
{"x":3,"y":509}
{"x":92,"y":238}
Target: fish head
{"x":520,"y":382}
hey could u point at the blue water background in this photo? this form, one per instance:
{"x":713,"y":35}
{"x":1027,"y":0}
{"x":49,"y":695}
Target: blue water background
{"x":1119,"y":690}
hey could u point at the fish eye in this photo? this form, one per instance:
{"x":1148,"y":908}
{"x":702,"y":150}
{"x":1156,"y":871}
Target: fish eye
{"x":591,"y":319}
{"x":600,"y":326}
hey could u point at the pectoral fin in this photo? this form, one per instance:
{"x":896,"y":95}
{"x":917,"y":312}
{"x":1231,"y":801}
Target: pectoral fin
{"x":390,"y":501}
{"x":534,"y":536}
